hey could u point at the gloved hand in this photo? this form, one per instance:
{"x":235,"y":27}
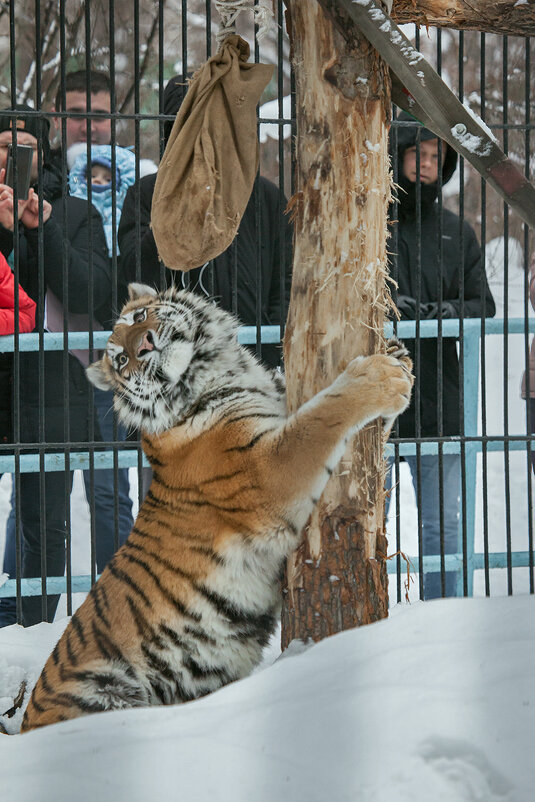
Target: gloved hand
{"x":430,"y":310}
{"x":406,"y":307}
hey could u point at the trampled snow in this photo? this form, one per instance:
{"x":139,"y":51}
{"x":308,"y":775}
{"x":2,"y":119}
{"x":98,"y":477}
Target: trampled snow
{"x":436,"y":704}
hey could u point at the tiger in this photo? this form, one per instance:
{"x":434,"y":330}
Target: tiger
{"x":191,"y":599}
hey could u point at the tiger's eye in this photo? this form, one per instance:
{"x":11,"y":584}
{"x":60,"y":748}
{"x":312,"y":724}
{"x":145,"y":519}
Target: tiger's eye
{"x":140,"y":316}
{"x":122,"y":359}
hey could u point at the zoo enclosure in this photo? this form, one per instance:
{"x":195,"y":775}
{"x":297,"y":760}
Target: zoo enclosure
{"x":490,"y":73}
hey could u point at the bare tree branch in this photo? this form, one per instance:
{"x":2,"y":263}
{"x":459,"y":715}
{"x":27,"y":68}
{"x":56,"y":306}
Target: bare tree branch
{"x":490,"y":16}
{"x":143,"y":66}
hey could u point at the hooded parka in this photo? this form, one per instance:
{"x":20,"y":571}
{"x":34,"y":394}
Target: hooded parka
{"x":436,"y":260}
{"x":254,"y":270}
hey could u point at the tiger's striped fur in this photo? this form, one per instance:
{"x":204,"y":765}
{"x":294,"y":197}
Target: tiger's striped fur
{"x":191,"y":599}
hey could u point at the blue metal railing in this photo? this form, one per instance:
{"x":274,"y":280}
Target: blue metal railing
{"x":471,"y":332}
{"x":473,"y":443}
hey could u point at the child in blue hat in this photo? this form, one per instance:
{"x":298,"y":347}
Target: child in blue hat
{"x":99,"y":174}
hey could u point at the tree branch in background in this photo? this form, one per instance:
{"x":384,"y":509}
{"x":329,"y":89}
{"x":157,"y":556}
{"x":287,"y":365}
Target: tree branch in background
{"x":143,"y":65}
{"x":489,"y":16}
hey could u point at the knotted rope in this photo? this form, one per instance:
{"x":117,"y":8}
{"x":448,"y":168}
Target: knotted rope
{"x":229,"y":10}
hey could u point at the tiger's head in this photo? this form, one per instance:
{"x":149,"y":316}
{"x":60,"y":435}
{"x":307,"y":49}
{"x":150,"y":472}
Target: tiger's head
{"x":163,"y":350}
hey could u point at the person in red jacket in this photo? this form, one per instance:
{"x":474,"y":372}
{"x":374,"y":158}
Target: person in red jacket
{"x":7,"y":326}
{"x":7,"y":303}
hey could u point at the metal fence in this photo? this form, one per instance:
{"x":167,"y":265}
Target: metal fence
{"x":494,"y":554}
{"x":140,"y":49}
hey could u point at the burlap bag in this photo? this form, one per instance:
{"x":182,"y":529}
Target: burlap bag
{"x":208,"y":168}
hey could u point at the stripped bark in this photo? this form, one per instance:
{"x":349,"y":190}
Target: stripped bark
{"x":491,"y":16}
{"x":337,"y":578}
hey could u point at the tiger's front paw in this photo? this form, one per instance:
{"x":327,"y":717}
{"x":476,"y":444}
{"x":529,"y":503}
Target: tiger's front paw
{"x":396,"y":348}
{"x":383,"y":381}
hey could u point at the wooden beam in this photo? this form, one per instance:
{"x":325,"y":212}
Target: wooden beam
{"x":490,"y":16}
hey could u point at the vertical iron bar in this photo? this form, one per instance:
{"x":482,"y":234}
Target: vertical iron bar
{"x":506,"y":331}
{"x":461,"y":335}
{"x":282,"y":204}
{"x":114,"y":261}
{"x":440,"y":361}
{"x":483,"y":342}
{"x":258,"y":224}
{"x":417,"y":351}
{"x":529,"y":389}
{"x":65,"y":291}
{"x":16,"y":355}
{"x":90,"y":283}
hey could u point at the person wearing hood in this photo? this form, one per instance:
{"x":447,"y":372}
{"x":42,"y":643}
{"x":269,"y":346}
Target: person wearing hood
{"x":250,"y":268}
{"x":60,"y":246}
{"x":105,"y":194}
{"x":436,"y":261}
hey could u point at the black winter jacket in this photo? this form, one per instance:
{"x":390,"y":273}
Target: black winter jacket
{"x":252,"y":264}
{"x":436,"y":249}
{"x":73,"y":235}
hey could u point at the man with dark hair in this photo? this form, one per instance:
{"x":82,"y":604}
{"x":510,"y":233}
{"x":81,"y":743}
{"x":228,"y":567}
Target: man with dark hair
{"x":436,"y":261}
{"x":96,"y":129}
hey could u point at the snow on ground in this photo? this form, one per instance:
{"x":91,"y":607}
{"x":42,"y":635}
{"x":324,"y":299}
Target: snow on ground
{"x":436,"y":704}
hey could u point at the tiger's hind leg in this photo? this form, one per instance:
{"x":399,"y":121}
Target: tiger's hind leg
{"x":98,"y":688}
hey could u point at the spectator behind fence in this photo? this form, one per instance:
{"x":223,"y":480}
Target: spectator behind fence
{"x":71,"y":234}
{"x":530,"y":399}
{"x":250,"y":267}
{"x":79,"y":128}
{"x":105,"y":196}
{"x":78,"y":132}
{"x":26,"y":315}
{"x":434,"y":253}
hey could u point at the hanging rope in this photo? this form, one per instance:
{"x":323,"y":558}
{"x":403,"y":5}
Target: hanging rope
{"x":230,"y":9}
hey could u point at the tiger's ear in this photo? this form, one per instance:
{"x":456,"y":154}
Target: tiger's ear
{"x":98,"y":377}
{"x":139,"y":291}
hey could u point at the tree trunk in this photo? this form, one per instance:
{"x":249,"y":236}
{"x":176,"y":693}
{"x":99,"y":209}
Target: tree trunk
{"x":491,"y":16}
{"x":337,"y":578}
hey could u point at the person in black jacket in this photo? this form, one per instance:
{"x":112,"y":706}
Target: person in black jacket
{"x":251,"y":278}
{"x":437,"y":264}
{"x":53,"y":390}
{"x":106,"y":491}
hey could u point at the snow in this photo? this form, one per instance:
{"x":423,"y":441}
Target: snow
{"x":373,"y":147}
{"x":470,"y":142}
{"x":435,"y":703}
{"x":482,"y":124}
{"x":270,"y":110}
